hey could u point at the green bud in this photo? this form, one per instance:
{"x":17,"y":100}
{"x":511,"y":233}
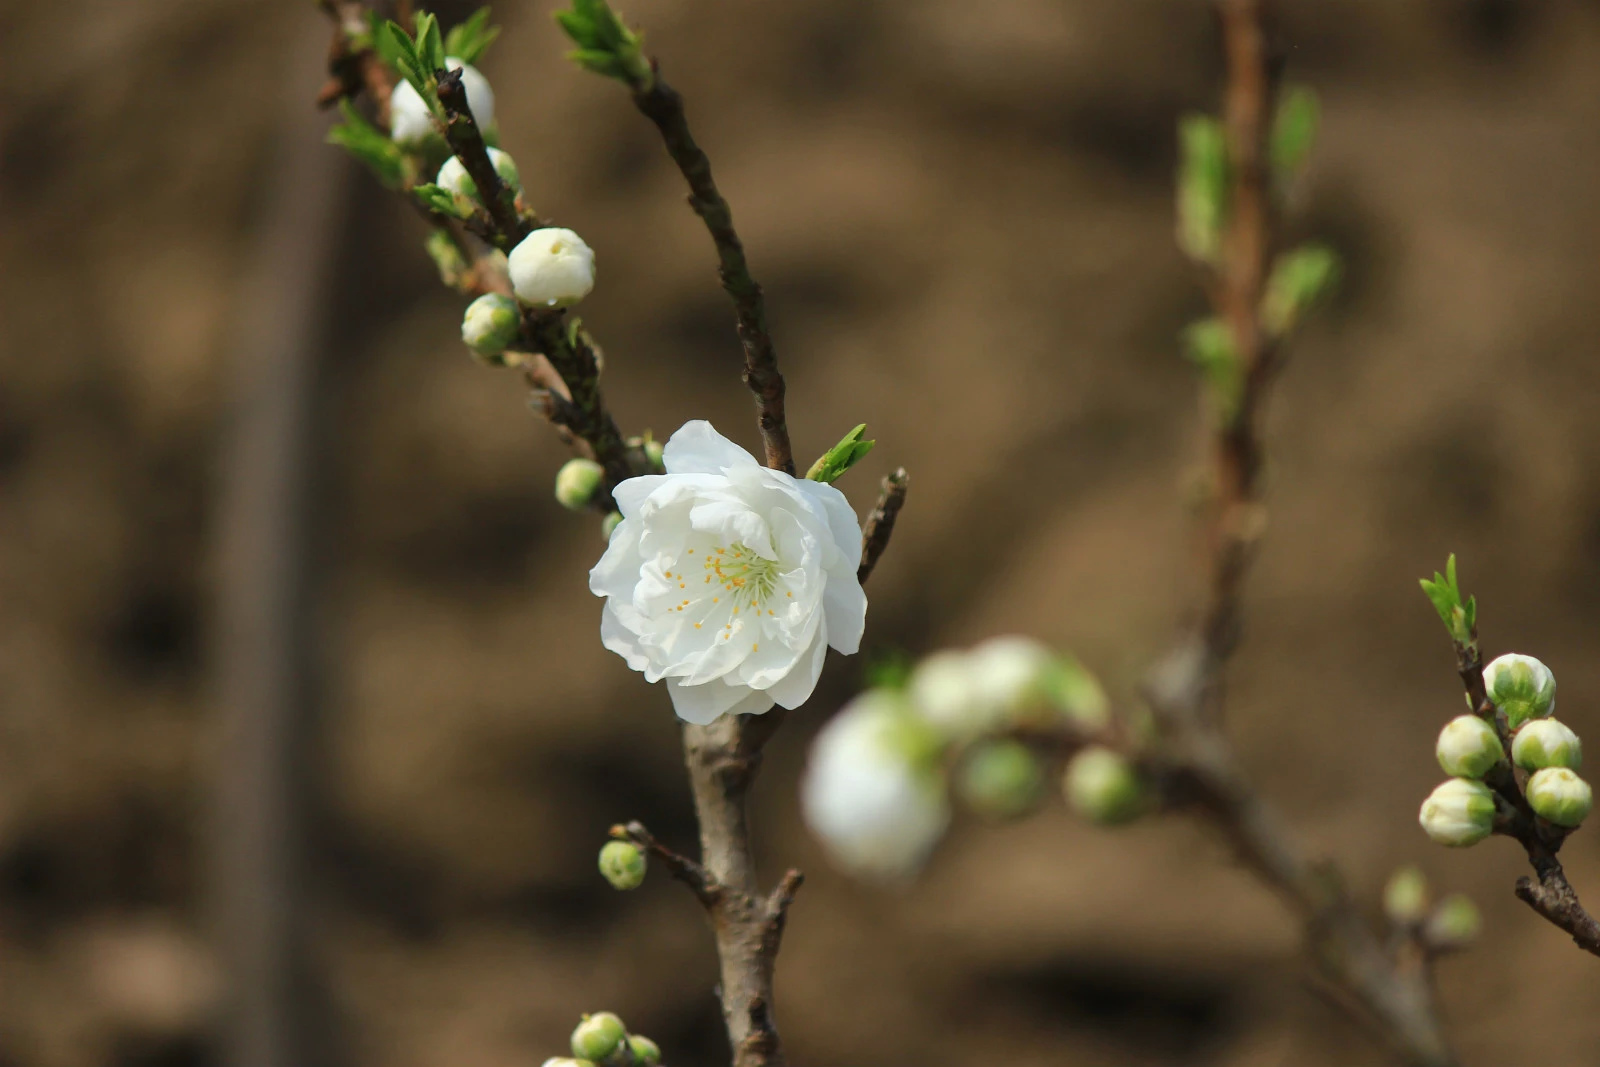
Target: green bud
{"x":1521,"y":687}
{"x":609,"y":524}
{"x":1102,"y":787}
{"x":490,"y":324}
{"x":447,"y":257}
{"x":1460,"y":812}
{"x":577,"y":482}
{"x":1405,"y":897}
{"x":598,"y":1036}
{"x":654,"y":451}
{"x":1468,"y":747}
{"x":841,"y":457}
{"x":1455,"y":923}
{"x":623,"y":863}
{"x":1559,"y":795}
{"x":1001,"y":779}
{"x":644,"y":1050}
{"x":1299,"y":279}
{"x":1546,"y":743}
{"x":1202,"y":186}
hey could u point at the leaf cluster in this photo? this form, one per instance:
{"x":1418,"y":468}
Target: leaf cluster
{"x":605,"y":45}
{"x":368,"y":144}
{"x":1459,"y":616}
{"x":841,"y":457}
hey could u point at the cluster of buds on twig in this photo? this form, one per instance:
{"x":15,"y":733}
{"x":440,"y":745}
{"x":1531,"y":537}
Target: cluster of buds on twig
{"x":601,"y":1040}
{"x":1486,"y":789}
{"x":978,"y":724}
{"x":1450,"y":925}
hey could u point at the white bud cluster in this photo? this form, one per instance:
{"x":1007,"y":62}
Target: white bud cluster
{"x":1462,"y":811}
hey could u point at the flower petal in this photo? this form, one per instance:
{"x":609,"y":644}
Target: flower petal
{"x":846,"y":604}
{"x":698,"y":449}
{"x":621,"y":640}
{"x":842,"y":521}
{"x":631,"y":493}
{"x":701,"y":704}
{"x":796,"y":687}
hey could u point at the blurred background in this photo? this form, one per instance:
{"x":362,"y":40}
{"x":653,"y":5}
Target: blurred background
{"x":962,"y":215}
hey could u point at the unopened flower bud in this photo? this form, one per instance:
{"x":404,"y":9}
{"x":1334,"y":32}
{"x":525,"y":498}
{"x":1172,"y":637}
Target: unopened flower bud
{"x":1405,"y":897}
{"x":453,"y":175}
{"x":1560,"y":796}
{"x":577,"y":482}
{"x":1468,"y":747}
{"x":552,"y":267}
{"x":1458,"y":813}
{"x":1102,"y":787}
{"x":566,"y":1061}
{"x":1521,"y":687}
{"x":623,"y":863}
{"x":1455,"y":923}
{"x":1001,"y":779}
{"x":609,"y":524}
{"x":598,"y":1035}
{"x":1546,"y":743}
{"x":411,"y":123}
{"x":490,"y":324}
{"x":644,"y":1050}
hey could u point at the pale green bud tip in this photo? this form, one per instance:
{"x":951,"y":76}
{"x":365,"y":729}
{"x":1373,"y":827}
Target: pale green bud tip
{"x":1001,"y":779}
{"x":1468,"y":747}
{"x":598,"y":1035}
{"x":623,"y":863}
{"x":655,"y":452}
{"x":490,"y":324}
{"x":552,"y":267}
{"x":1458,"y":813}
{"x":644,"y":1050}
{"x":577,"y":482}
{"x":1520,"y":686}
{"x":1405,"y":897}
{"x":1546,"y":743}
{"x":1102,"y":787}
{"x":609,"y":524}
{"x":1560,"y":796}
{"x":1455,"y":923}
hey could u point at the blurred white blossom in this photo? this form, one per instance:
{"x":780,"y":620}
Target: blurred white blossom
{"x":872,"y":791}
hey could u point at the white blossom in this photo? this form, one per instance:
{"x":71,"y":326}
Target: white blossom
{"x":1468,"y":747}
{"x":1521,"y":687}
{"x":729,"y":580}
{"x":1559,"y":795}
{"x":552,"y":267}
{"x":869,"y":792}
{"x":1458,"y":813}
{"x":965,"y":693}
{"x":410,"y":122}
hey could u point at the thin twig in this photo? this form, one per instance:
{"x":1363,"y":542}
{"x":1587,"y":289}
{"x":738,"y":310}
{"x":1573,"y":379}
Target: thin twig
{"x":879,"y":526}
{"x":461,"y":131}
{"x":662,"y":105}
{"x":681,"y":867}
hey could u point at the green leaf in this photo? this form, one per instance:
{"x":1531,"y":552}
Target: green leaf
{"x":605,"y":45}
{"x":1299,"y":280}
{"x":368,"y":144}
{"x":1294,"y":128}
{"x":1202,"y":187}
{"x":841,"y":457}
{"x":442,"y":201}
{"x":1460,"y":617}
{"x":430,"y":45}
{"x":468,"y":40}
{"x":1209,"y":346}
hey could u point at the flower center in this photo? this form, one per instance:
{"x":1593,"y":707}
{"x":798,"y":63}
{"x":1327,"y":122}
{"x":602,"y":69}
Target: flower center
{"x":747,"y":578}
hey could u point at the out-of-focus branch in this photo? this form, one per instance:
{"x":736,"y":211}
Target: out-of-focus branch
{"x":879,"y":526}
{"x":1192,"y":760}
{"x":662,"y":105}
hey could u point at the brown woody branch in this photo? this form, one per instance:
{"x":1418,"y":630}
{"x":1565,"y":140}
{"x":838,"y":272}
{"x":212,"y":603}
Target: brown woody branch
{"x":466,"y":142}
{"x":879,"y":526}
{"x":662,"y":105}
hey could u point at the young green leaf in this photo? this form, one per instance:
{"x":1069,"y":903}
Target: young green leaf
{"x":1294,"y":128}
{"x":1460,"y":617}
{"x":1299,"y":280}
{"x":1209,"y":346}
{"x":605,"y":45}
{"x":442,"y":201}
{"x":468,"y":40}
{"x":430,"y":45}
{"x":368,"y":144}
{"x":841,"y":457}
{"x":1202,"y":187}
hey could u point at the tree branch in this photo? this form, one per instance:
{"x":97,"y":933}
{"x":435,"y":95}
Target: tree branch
{"x":879,"y":526}
{"x":461,"y":131}
{"x":662,"y":105}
